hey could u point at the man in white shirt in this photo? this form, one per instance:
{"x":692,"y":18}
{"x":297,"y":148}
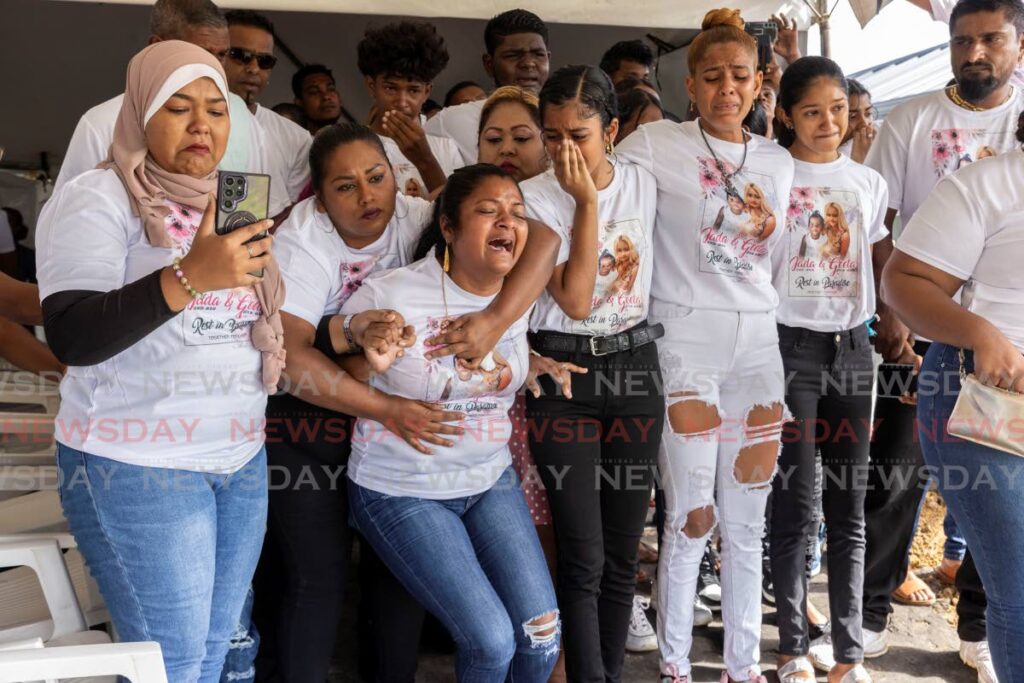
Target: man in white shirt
{"x":921,"y":142}
{"x":399,"y":62}
{"x":195,"y":21}
{"x":517,"y":54}
{"x":248,"y":66}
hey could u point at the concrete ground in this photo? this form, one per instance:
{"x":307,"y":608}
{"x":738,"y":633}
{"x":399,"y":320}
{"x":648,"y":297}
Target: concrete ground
{"x":923,"y":649}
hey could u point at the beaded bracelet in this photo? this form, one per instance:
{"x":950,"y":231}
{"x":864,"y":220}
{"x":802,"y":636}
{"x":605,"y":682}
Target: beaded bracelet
{"x":178,"y":273}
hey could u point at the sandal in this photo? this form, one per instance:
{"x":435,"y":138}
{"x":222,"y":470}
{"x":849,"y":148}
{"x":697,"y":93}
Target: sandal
{"x":946,"y":571}
{"x":789,"y":672}
{"x":912,"y":584}
{"x":857,"y":674}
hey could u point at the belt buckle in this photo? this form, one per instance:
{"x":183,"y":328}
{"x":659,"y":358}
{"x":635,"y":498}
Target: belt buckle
{"x":593,"y":347}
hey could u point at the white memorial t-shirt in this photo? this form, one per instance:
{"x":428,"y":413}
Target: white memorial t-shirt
{"x":190,"y":394}
{"x":972,"y":226}
{"x":461,"y":123}
{"x":929,"y":137}
{"x":625,"y":250}
{"x":321,"y":272}
{"x":382,"y":461}
{"x":246,"y":150}
{"x":287,"y":151}
{"x":710,"y":251}
{"x":407,"y":176}
{"x":823,"y":269}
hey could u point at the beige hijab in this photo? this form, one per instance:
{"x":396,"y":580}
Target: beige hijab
{"x":154,"y":74}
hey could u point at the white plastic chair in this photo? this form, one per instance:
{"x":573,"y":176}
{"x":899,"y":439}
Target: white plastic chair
{"x":20,"y":387}
{"x":138,"y":662}
{"x":28,"y":438}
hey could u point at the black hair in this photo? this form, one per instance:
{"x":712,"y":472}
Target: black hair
{"x":1012,"y":9}
{"x":292,"y":112}
{"x":509,"y":24}
{"x":731,"y":192}
{"x":587,"y":84}
{"x":1020,"y":128}
{"x":856,"y":88}
{"x":246,"y":17}
{"x":169,"y":19}
{"x":430,"y":105}
{"x":634,"y":101}
{"x":632,"y":83}
{"x":305,"y":71}
{"x":816,"y":214}
{"x":460,"y":185}
{"x":403,"y":49}
{"x":330,"y":138}
{"x":632,"y":50}
{"x":756,"y":121}
{"x":452,"y":91}
{"x":796,"y":80}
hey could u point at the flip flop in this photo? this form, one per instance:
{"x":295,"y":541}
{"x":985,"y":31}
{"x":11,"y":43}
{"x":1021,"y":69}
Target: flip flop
{"x":946,"y":572}
{"x":913,"y":584}
{"x":801,"y":665}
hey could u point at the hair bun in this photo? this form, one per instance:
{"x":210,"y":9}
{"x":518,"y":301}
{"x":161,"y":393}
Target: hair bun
{"x":722,"y":17}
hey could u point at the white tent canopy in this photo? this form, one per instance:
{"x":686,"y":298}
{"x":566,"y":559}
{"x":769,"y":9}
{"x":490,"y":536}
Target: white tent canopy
{"x":647,"y":13}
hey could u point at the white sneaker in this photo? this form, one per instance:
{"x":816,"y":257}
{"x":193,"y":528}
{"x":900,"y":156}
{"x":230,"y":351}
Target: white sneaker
{"x":977,"y":656}
{"x":876,"y":643}
{"x":820,"y":654}
{"x":702,"y":615}
{"x":641,"y":636}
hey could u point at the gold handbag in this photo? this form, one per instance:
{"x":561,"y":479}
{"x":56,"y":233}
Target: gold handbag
{"x":988,"y":415}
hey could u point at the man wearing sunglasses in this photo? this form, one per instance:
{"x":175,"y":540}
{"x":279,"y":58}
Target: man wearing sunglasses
{"x":248,"y":66}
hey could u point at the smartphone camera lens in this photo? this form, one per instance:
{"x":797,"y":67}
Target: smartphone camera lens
{"x":227,"y":205}
{"x":229,"y":193}
{"x":229,"y":181}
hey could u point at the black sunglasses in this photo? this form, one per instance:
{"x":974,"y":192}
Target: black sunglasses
{"x":263,"y":60}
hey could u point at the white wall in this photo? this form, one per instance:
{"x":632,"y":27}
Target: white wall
{"x":60,"y":58}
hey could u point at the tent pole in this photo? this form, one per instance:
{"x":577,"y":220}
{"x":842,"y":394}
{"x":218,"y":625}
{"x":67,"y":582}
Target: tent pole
{"x":825,"y":28}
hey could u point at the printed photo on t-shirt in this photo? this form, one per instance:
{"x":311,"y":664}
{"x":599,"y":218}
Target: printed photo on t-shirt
{"x":824,"y":227}
{"x":618,"y":301}
{"x":408,"y":180}
{"x":954,"y":148}
{"x":352,"y":276}
{"x":450,"y":379}
{"x":737,"y":217}
{"x":225,"y":316}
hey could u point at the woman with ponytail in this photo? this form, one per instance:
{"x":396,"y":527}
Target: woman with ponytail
{"x":446,"y":513}
{"x":826,"y":295}
{"x":599,"y":500}
{"x":712,"y":291}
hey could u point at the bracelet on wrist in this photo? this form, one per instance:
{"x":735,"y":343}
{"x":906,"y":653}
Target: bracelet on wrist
{"x":180,"y":274}
{"x":346,"y":326}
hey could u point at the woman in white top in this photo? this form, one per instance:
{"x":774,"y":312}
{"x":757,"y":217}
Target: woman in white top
{"x":355,"y":226}
{"x":160,"y":438}
{"x":616,"y":409}
{"x":968,"y":234}
{"x":825,"y":298}
{"x":451,"y":522}
{"x":712,"y":291}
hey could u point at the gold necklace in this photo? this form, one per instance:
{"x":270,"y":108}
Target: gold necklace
{"x":953,"y":93}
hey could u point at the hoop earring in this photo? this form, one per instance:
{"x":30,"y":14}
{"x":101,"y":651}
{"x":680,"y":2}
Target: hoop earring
{"x":447,"y":261}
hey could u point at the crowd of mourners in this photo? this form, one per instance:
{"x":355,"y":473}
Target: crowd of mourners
{"x":480,"y":337}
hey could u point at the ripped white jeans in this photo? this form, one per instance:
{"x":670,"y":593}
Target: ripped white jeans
{"x":725,"y":391}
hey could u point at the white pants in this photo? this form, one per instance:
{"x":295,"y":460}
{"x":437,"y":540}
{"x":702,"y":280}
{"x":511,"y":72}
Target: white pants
{"x":730,"y":361}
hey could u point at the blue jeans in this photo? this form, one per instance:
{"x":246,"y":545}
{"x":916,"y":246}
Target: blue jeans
{"x":477,"y":565}
{"x":244,"y":644}
{"x":173,"y":551}
{"x":984,"y":488}
{"x":955,"y":547}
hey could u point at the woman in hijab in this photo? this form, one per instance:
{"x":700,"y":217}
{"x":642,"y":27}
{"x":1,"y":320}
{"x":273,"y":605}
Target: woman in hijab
{"x":171,"y":346}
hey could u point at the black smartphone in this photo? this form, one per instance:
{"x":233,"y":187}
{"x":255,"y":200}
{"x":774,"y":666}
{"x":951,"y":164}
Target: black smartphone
{"x":896,"y":379}
{"x":242,"y":199}
{"x":765,"y":33}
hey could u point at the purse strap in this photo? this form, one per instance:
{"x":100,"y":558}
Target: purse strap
{"x":963,"y":366}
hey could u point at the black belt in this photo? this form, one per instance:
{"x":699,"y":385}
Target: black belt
{"x":546,"y":341}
